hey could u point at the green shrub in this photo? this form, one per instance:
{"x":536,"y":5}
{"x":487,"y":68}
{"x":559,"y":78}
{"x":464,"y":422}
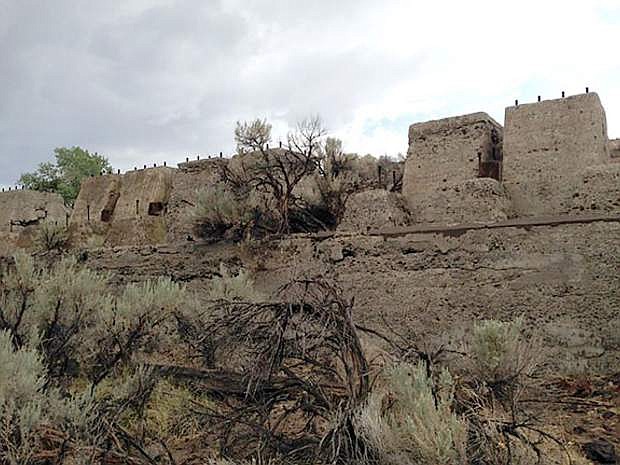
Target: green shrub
{"x":502,"y":358}
{"x":220,"y":211}
{"x":51,"y":237}
{"x":81,"y":325}
{"x":23,"y":405}
{"x":410,"y":419}
{"x":139,"y":320}
{"x":28,"y":405}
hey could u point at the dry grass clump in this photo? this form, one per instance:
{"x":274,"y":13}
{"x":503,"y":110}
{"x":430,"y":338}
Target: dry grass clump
{"x":410,"y":419}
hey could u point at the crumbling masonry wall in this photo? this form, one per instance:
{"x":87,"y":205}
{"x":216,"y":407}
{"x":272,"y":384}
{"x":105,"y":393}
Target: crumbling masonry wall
{"x":23,"y":212}
{"x":187,"y":181}
{"x":142,"y":207}
{"x":444,"y":158}
{"x":94,"y":209}
{"x":548,"y":146}
{"x":614,"y":149}
{"x":124,"y":209}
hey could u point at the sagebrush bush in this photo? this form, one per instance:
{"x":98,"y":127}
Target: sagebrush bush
{"x":23,"y":404}
{"x":220,"y":210}
{"x":410,"y":419}
{"x":82,"y":326}
{"x":51,"y":237}
{"x":139,"y":320}
{"x":28,"y":405}
{"x":502,"y":357}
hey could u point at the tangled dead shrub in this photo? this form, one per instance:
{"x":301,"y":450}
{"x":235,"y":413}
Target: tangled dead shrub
{"x":409,"y":419}
{"x":283,"y":368}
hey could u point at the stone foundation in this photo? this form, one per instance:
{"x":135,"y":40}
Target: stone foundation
{"x":481,"y":200}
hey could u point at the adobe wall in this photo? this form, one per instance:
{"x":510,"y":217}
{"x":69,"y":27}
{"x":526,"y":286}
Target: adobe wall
{"x":187,"y":181}
{"x":124,"y":209}
{"x":22,"y":213}
{"x":444,"y":158}
{"x":93,"y":209}
{"x":374,"y":209}
{"x":614,"y":149}
{"x":447,"y":151}
{"x":140,"y":213}
{"x":477,"y":200}
{"x":547,"y":148}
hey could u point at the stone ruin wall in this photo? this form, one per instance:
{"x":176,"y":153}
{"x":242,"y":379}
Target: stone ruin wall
{"x":186,"y":183}
{"x":445,"y":159}
{"x":449,"y":150}
{"x":552,"y":158}
{"x":23,"y":213}
{"x":149,"y":206}
{"x":122,"y":209}
{"x":549,"y":148}
{"x":555,"y":159}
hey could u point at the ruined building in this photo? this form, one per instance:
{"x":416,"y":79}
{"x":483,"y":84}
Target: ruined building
{"x":148,"y":206}
{"x":551,"y":158}
{"x":493,"y":222}
{"x":23,"y":213}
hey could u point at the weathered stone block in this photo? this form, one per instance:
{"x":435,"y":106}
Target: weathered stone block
{"x":187,"y":181}
{"x":445,"y":158}
{"x":548,"y":144}
{"x":23,"y":212}
{"x":124,"y":209}
{"x":448,"y":151}
{"x":94,"y":208}
{"x":139,"y":215}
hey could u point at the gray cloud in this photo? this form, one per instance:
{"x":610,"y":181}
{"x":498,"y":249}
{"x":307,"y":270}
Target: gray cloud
{"x":154,"y":80}
{"x":164,"y":80}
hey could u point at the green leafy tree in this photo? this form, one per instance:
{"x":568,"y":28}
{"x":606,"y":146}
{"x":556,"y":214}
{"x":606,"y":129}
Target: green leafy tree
{"x":66,"y":174}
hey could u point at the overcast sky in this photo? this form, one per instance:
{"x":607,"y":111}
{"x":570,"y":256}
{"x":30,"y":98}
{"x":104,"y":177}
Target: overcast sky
{"x":144,"y":81}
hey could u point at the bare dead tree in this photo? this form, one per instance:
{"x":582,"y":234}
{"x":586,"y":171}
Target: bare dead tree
{"x":277,"y":171}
